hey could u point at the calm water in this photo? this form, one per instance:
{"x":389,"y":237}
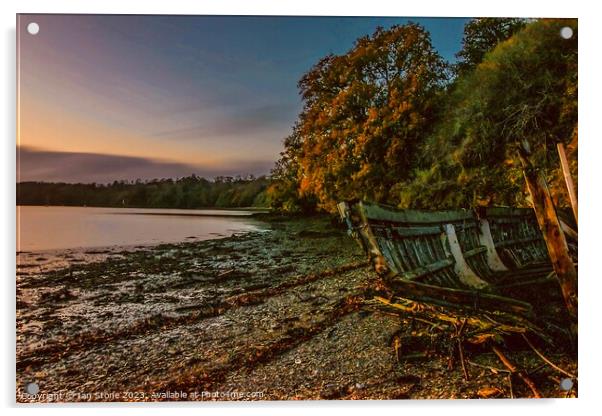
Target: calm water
{"x":52,"y":228}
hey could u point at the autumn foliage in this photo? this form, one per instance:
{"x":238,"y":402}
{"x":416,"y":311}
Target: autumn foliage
{"x":390,"y":121}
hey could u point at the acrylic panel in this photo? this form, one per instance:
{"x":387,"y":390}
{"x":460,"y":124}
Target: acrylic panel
{"x":225,"y":208}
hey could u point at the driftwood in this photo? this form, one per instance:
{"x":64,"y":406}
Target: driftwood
{"x":514,"y":370}
{"x":475,"y":328}
{"x":552,"y":232}
{"x":546,"y":360}
{"x":459,"y":340}
{"x":443,"y":295}
{"x":494,"y":370}
{"x":479,"y":326}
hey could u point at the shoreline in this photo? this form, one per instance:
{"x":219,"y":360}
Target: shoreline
{"x":57,"y":229}
{"x":254,"y":209}
{"x":55,"y":259}
{"x":282,"y":313}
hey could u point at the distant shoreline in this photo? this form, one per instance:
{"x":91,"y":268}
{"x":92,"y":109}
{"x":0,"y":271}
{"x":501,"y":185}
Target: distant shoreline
{"x":55,"y":227}
{"x":183,"y":214}
{"x":253,"y":210}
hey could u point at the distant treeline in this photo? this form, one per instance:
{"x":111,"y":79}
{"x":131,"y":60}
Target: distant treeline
{"x":188,"y":192}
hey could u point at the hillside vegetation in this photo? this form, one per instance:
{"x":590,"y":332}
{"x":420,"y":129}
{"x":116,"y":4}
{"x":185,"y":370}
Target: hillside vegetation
{"x":392,"y":122}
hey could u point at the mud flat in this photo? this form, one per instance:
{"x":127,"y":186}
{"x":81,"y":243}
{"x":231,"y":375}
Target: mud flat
{"x":272,"y":315}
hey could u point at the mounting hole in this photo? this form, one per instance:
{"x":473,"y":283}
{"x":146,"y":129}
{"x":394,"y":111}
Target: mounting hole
{"x":566,"y":32}
{"x":32,"y":388}
{"x":33,"y":28}
{"x":566,"y":384}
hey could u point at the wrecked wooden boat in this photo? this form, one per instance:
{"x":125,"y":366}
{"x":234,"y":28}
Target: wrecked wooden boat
{"x":453,"y":257}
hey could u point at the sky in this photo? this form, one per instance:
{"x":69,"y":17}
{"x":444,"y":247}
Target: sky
{"x":109,"y":97}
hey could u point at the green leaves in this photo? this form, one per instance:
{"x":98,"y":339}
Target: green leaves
{"x":481,"y":35}
{"x":383,"y":123}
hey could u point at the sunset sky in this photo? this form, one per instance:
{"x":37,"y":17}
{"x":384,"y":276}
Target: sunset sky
{"x":105,"y":98}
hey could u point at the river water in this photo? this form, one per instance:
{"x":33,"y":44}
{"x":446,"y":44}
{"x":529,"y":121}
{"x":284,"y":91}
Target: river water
{"x":41,"y":228}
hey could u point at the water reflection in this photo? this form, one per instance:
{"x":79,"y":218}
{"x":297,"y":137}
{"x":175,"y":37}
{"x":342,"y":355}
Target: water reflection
{"x":53,"y":228}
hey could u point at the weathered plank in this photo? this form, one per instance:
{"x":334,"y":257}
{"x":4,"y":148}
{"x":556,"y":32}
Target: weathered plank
{"x":516,"y":242}
{"x":568,"y":179}
{"x":493,"y":259}
{"x":418,"y":291}
{"x":449,"y":250}
{"x":475,"y":251}
{"x":404,"y":232}
{"x":553,"y":235}
{"x":378,"y":212}
{"x":467,"y":276}
{"x":426,"y":270}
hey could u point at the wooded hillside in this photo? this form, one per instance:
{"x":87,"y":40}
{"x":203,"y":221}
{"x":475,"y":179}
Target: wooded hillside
{"x":390,"y":121}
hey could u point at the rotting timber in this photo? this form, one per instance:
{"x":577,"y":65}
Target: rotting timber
{"x":480,"y":279}
{"x":462,"y":257}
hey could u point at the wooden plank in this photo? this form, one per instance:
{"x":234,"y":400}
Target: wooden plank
{"x":568,"y":179}
{"x":492,"y":212}
{"x":421,"y":272}
{"x":531,"y":282}
{"x":387,"y":251}
{"x":376,"y":257}
{"x":553,"y":235}
{"x":343,"y":209}
{"x":465,"y":225}
{"x":474,"y":251}
{"x":493,"y":259}
{"x":404,"y":232}
{"x":417,"y":231}
{"x":516,"y":242}
{"x":408,"y":216}
{"x":460,"y":297}
{"x":467,"y":276}
{"x":512,"y":220}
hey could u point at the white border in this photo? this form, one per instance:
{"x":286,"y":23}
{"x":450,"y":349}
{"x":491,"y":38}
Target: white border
{"x":590,"y":146}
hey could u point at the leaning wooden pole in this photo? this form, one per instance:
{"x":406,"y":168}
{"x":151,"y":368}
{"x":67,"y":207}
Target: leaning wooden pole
{"x":552,"y":233}
{"x":568,"y":179}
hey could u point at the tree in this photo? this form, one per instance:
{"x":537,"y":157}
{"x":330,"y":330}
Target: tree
{"x":187,"y":192}
{"x":364,"y":115}
{"x":283,"y":191}
{"x":482,"y":35}
{"x":524,"y":90}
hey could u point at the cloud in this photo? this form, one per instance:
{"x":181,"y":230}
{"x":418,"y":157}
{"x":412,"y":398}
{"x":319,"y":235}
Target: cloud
{"x":245,"y":122}
{"x":50,"y":166}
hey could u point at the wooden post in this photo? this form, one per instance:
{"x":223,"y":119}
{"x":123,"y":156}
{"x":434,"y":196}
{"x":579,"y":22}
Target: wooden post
{"x":568,"y":179}
{"x":552,"y":233}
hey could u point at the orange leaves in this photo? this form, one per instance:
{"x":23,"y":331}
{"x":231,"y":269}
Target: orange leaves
{"x":489,"y":392}
{"x":372,"y":115}
{"x":364,"y":115}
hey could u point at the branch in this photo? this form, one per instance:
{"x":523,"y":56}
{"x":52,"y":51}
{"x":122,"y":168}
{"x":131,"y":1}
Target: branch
{"x":514,"y":370}
{"x":550,"y":363}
